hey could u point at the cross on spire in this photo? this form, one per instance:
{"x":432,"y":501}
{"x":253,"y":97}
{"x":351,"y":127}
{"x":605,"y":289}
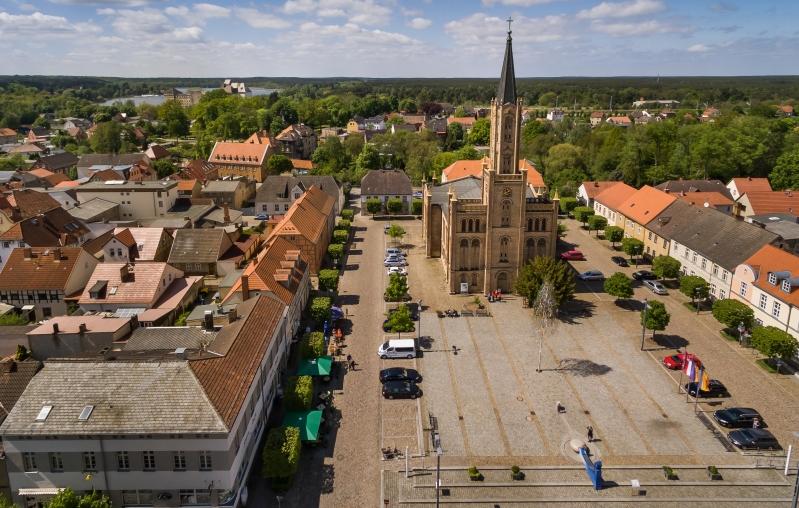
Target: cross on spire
{"x":509,"y":20}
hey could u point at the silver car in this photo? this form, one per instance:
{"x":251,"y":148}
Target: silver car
{"x":591,"y":275}
{"x":395,"y":261}
{"x":656,"y":287}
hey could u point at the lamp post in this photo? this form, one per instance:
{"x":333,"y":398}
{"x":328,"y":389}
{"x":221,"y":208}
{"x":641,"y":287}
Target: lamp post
{"x":741,"y":330}
{"x":439,"y":452}
{"x":419,"y":325}
{"x":696,"y":298}
{"x":643,"y":322}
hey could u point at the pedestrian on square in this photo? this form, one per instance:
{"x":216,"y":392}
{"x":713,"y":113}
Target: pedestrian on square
{"x":349,"y":361}
{"x":590,"y":434}
{"x":559,"y":407}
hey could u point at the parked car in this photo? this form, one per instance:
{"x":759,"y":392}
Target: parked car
{"x":677,"y":362}
{"x":619,"y":261}
{"x":397,"y":269}
{"x":656,"y":287}
{"x":401,"y":390}
{"x":395,"y":261}
{"x":737,"y":417}
{"x":754,"y":439}
{"x":591,"y":275}
{"x":572,"y":255}
{"x":716,"y":389}
{"x":418,"y":195}
{"x":644,"y":275}
{"x":400,"y":374}
{"x":393,"y":251}
{"x":262,"y":216}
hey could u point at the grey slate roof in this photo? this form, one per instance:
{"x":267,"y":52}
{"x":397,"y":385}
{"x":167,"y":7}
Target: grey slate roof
{"x":786,"y":230}
{"x":90,"y":209}
{"x":673,"y":218}
{"x":506,"y":91}
{"x":464,"y":188}
{"x":197,"y":246}
{"x":276,"y":188}
{"x":154,"y":338}
{"x":14,"y":377}
{"x":381,"y":182}
{"x":58,"y":161}
{"x":720,"y":238}
{"x":678,"y":186}
{"x":223,"y":186}
{"x":128,"y":398}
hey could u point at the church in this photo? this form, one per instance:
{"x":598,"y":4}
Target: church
{"x":486,"y":225}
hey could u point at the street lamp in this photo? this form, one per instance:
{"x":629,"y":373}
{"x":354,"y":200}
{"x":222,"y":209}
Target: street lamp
{"x":741,"y":330}
{"x":643,"y":322}
{"x":419,"y":325}
{"x":439,"y":452}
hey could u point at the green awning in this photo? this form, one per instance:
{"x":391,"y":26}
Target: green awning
{"x":316,"y":366}
{"x":307,"y":421}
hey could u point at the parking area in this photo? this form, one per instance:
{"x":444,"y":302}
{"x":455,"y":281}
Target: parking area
{"x":482,"y":385}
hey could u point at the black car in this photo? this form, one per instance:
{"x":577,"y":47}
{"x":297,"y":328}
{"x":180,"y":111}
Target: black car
{"x":619,"y":261}
{"x":716,"y":389}
{"x":401,"y":390}
{"x":737,"y":417}
{"x":399,"y":374}
{"x":754,"y":439}
{"x":644,"y":275}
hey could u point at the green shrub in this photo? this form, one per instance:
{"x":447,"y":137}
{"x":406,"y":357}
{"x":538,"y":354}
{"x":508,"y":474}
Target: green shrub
{"x":320,"y":308}
{"x":312,"y":345}
{"x":22,"y":353}
{"x":340,"y":236}
{"x":281,"y":453}
{"x":335,"y":251}
{"x":12,"y":319}
{"x":416,"y":207}
{"x":343,"y":224}
{"x":374,"y":205}
{"x":474,"y":474}
{"x":397,"y":288}
{"x":347,"y":214}
{"x":582,"y":213}
{"x":399,"y":320}
{"x":567,"y":204}
{"x":299,"y":393}
{"x":666,"y":267}
{"x":394,"y":205}
{"x":328,"y":280}
{"x":614,"y":234}
{"x":732,"y":313}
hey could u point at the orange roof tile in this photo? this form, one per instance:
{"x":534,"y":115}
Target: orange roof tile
{"x":144,"y":287}
{"x":186,"y":185}
{"x":466,"y":168}
{"x":770,"y":259}
{"x":761,"y":202}
{"x":594,"y":189}
{"x":248,"y":154}
{"x":66,"y":184}
{"x":615,"y":195}
{"x":302,"y":164}
{"x":534,"y":177}
{"x":262,"y":272}
{"x":750,"y":184}
{"x":645,"y":205}
{"x":464,"y":120}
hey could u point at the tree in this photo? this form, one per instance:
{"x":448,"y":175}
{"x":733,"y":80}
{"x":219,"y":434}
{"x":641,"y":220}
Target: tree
{"x":545,"y":269}
{"x":320,"y":308}
{"x":278,"y":164}
{"x":597,"y":222}
{"x":68,"y":499}
{"x":614,"y":234}
{"x":733,"y":313}
{"x":395,"y":231}
{"x":619,"y":285}
{"x":347,"y":214}
{"x":374,"y":205}
{"x":655,"y":316}
{"x":632,"y":247}
{"x":582,"y":213}
{"x":299,"y":393}
{"x":775,"y":343}
{"x":394,"y":205}
{"x":107,"y":138}
{"x":416,"y":207}
{"x":666,"y":267}
{"x":281,"y":454}
{"x":399,"y":320}
{"x":567,"y":204}
{"x":328,"y":280}
{"x":694,"y":287}
{"x":480,"y":133}
{"x":13,"y":163}
{"x":312,"y":345}
{"x":369,"y":158}
{"x":174,"y":117}
{"x":335,"y":251}
{"x":397,"y":288}
{"x":164,"y":167}
{"x":785,"y":174}
{"x":547,"y":99}
{"x":454,"y":138}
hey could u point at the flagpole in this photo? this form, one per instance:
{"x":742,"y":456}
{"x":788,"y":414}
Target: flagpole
{"x":698,"y":387}
{"x":685,"y":362}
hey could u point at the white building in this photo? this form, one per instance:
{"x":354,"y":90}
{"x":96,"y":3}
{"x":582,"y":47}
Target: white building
{"x":137,"y":200}
{"x":607,"y":203}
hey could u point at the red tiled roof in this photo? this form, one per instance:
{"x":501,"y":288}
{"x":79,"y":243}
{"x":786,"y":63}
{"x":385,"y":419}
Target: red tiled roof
{"x":711,"y":198}
{"x":750,"y":184}
{"x":466,"y":121}
{"x":186,"y":185}
{"x":614,"y":196}
{"x":263,"y":271}
{"x":144,"y":286}
{"x":593,"y":189}
{"x":770,"y":259}
{"x":247,"y":154}
{"x":48,"y":268}
{"x":645,"y":205}
{"x":466,"y":168}
{"x":302,"y":164}
{"x":773,"y":202}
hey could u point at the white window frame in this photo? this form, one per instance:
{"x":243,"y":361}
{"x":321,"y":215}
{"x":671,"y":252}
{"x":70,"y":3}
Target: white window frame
{"x":763,"y":303}
{"x":776,"y":309}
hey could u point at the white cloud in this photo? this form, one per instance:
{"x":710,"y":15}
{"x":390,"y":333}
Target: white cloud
{"x":258,"y":19}
{"x":42,"y":25}
{"x":299,"y":6}
{"x":622,"y":9}
{"x":698,"y":48}
{"x":361,"y":12}
{"x":516,"y":3}
{"x":625,"y":29}
{"x":480,"y":30}
{"x":122,"y":3}
{"x":419,"y":23}
{"x":198,"y":13}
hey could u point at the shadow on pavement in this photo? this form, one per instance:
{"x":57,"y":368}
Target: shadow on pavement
{"x":582,"y":368}
{"x":576,"y":309}
{"x":669,"y":341}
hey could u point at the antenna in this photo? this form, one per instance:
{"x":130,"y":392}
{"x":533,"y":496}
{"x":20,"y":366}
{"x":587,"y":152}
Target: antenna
{"x":611,"y":104}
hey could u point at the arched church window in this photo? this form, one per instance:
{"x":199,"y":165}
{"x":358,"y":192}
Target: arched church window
{"x":543,"y":224}
{"x":463,"y":225}
{"x":537,"y":225}
{"x":529,"y":224}
{"x":542,"y":247}
{"x":505,"y":216}
{"x":477,"y":225}
{"x":471,"y":225}
{"x":504,"y":247}
{"x":475,"y":255}
{"x":464,"y":255}
{"x":529,"y":249}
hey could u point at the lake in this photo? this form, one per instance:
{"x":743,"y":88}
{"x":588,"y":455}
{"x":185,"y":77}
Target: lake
{"x":157,"y":100}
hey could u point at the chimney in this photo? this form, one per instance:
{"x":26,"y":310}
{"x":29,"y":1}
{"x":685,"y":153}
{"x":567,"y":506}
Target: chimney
{"x":232,"y":315}
{"x":208,"y":320}
{"x":57,"y":254}
{"x":227,"y":213}
{"x":55,"y":328}
{"x":82,"y":328}
{"x":245,"y":287}
{"x":27,"y":252}
{"x":124,"y":273}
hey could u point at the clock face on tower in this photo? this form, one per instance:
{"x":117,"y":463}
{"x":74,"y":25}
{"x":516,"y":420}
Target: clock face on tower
{"x":506,"y":192}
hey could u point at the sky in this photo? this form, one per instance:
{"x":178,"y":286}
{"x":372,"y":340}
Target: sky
{"x":398,"y":38}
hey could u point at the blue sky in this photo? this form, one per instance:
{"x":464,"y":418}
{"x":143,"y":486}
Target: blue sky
{"x":398,"y":38}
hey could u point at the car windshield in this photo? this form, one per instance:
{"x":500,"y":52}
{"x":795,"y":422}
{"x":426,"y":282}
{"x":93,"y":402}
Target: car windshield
{"x":676,"y":358}
{"x":384,"y":346}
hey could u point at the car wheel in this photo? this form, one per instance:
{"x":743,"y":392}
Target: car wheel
{"x":383,"y":357}
{"x":409,"y":357}
{"x":390,"y":396}
{"x":413,"y":395}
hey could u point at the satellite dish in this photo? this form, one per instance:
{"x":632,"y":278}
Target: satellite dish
{"x":707,"y":205}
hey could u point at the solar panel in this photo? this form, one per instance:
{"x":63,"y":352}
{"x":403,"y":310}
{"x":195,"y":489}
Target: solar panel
{"x":125,"y":313}
{"x":85,"y":413}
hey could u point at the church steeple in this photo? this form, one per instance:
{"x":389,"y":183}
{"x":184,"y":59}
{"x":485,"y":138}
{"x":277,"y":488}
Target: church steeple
{"x":507,"y":82}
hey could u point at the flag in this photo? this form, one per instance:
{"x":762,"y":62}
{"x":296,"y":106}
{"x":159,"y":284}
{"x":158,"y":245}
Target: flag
{"x":705,"y":381}
{"x":690,"y":369}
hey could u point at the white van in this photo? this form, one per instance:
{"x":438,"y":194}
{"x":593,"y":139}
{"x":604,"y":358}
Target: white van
{"x":397,"y":348}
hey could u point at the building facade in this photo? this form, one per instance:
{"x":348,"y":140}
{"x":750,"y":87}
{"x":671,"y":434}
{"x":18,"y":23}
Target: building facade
{"x":485,"y":229}
{"x":136,"y":200}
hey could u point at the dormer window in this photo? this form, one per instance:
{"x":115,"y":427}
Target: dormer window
{"x":772,"y":279}
{"x":786,"y":286}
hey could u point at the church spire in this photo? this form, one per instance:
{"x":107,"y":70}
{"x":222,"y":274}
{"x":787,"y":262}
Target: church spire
{"x":507,"y":83}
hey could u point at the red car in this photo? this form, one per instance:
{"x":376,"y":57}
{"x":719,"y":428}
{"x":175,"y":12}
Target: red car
{"x":572,"y":255}
{"x":677,"y":362}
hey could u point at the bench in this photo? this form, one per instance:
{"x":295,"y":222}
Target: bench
{"x":635,"y":488}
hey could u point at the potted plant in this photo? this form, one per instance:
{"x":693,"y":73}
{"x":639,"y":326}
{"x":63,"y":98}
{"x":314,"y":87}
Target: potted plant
{"x":713,"y":473}
{"x":475,"y":475}
{"x":669,"y":473}
{"x":516,"y":473}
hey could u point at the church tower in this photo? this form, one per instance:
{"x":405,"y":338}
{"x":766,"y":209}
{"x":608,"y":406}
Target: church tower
{"x":506,"y":118}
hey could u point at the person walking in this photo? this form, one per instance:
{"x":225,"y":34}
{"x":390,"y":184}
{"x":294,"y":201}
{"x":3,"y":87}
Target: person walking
{"x":349,"y":362}
{"x":559,"y":407}
{"x":590,"y":434}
